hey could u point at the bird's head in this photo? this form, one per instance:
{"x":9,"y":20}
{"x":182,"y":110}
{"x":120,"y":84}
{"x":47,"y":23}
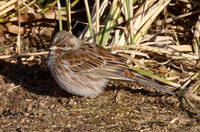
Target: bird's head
{"x":64,"y":41}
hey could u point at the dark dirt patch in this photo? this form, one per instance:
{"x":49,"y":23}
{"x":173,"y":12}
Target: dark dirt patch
{"x":32,"y":101}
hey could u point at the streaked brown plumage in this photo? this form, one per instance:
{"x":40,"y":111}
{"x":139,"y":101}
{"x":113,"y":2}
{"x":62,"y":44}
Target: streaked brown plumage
{"x":83,"y":68}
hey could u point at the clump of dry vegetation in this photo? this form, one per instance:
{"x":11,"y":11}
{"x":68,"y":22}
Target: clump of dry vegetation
{"x":159,"y":36}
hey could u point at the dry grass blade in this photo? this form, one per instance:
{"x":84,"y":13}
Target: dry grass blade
{"x":131,"y":20}
{"x":193,"y":88}
{"x":8,"y":6}
{"x":168,"y":53}
{"x":191,"y":2}
{"x":7,"y":9}
{"x":13,"y":29}
{"x":148,"y":19}
{"x":12,"y":16}
{"x":24,"y":55}
{"x":19,"y":25}
{"x":51,"y":14}
{"x":172,"y":19}
{"x":85,"y":33}
{"x":97,"y":20}
{"x":27,"y":6}
{"x":179,"y":48}
{"x":196,"y":38}
{"x":191,"y":79}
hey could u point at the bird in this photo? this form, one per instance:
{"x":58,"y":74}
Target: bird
{"x":84,"y":69}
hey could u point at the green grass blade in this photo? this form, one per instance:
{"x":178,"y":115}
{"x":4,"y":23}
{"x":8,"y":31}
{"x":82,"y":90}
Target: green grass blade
{"x":113,"y":15}
{"x":68,"y":9}
{"x":156,"y":77}
{"x":88,"y":17}
{"x":59,"y":14}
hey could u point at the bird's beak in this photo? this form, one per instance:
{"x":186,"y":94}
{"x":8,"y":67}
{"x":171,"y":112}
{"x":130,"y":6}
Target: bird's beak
{"x":53,"y":48}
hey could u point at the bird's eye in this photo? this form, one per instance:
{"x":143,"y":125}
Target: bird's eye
{"x":63,"y":45}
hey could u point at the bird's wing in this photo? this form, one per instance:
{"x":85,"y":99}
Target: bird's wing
{"x":99,"y":62}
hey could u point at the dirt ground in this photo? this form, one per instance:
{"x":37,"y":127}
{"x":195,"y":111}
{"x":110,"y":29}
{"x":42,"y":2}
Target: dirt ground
{"x":30,"y":100}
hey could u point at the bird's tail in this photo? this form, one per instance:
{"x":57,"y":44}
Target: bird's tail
{"x":149,"y":83}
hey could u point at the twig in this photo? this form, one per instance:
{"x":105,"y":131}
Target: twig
{"x":189,"y":80}
{"x":172,"y":19}
{"x":30,"y":9}
{"x":188,"y":101}
{"x":190,"y":2}
{"x":180,"y":90}
{"x":194,"y":87}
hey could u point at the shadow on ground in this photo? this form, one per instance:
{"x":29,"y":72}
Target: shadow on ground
{"x":37,"y":79}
